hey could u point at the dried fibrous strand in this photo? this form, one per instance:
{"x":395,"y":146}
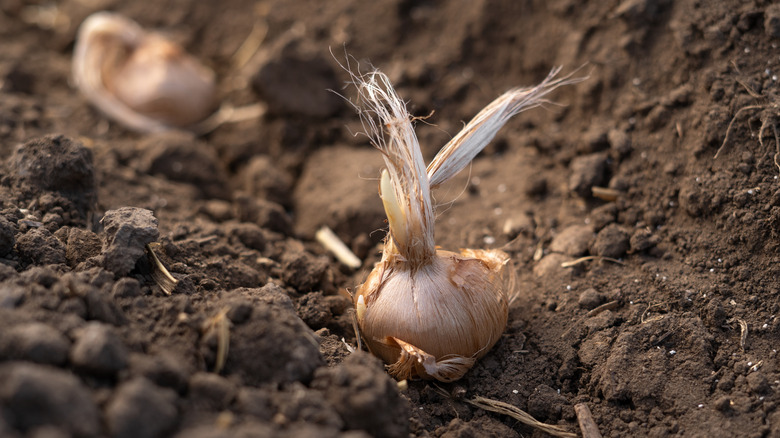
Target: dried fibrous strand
{"x":139,"y":78}
{"x":426,"y":312}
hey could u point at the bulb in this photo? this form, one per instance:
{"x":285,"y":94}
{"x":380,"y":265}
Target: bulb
{"x":427,"y":312}
{"x":138,"y":78}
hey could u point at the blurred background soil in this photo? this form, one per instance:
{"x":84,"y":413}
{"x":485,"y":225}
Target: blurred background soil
{"x":668,"y":328}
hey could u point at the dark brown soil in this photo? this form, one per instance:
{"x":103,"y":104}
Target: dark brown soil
{"x":685,"y":345}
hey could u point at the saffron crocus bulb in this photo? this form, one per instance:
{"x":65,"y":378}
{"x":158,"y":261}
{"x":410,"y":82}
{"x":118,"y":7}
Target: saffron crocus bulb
{"x":139,"y":78}
{"x":426,"y":312}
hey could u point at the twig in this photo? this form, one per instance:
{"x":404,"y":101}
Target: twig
{"x":592,"y":257}
{"x":332,"y":243}
{"x":585,"y":418}
{"x":606,"y":306}
{"x":519,"y":415}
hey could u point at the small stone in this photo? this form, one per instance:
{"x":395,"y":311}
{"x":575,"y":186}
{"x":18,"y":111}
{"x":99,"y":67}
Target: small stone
{"x":99,"y":350}
{"x":139,"y":409}
{"x":573,"y":240}
{"x":37,"y":342}
{"x":590,"y":299}
{"x":127,"y":231}
{"x":37,"y":395}
{"x":587,"y":171}
{"x":612,"y":241}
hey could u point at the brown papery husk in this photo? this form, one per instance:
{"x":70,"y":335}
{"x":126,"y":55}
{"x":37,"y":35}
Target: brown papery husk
{"x":454,"y":308}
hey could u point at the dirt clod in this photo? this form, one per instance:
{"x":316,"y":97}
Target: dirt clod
{"x":612,"y":241}
{"x":141,"y":409}
{"x":98,"y":349}
{"x":127,"y":231}
{"x":37,"y":395}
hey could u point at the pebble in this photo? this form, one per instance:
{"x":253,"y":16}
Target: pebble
{"x":37,"y":395}
{"x":612,"y":241}
{"x":573,"y":240}
{"x":37,"y":342}
{"x":99,"y":350}
{"x":139,"y":409}
{"x":127,"y":231}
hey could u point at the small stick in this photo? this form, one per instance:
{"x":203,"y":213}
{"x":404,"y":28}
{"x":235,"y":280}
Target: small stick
{"x":585,"y":418}
{"x":332,"y":243}
{"x":606,"y":306}
{"x":519,"y":415}
{"x":586,"y":258}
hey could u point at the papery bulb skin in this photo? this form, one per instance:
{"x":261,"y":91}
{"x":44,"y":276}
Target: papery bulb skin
{"x":139,"y":78}
{"x":435,"y":320}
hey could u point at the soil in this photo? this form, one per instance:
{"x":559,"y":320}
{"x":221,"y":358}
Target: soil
{"x":670,"y":328}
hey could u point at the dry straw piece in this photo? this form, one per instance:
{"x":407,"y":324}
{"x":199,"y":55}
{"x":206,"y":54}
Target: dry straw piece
{"x":140,"y":78}
{"x":426,"y":312}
